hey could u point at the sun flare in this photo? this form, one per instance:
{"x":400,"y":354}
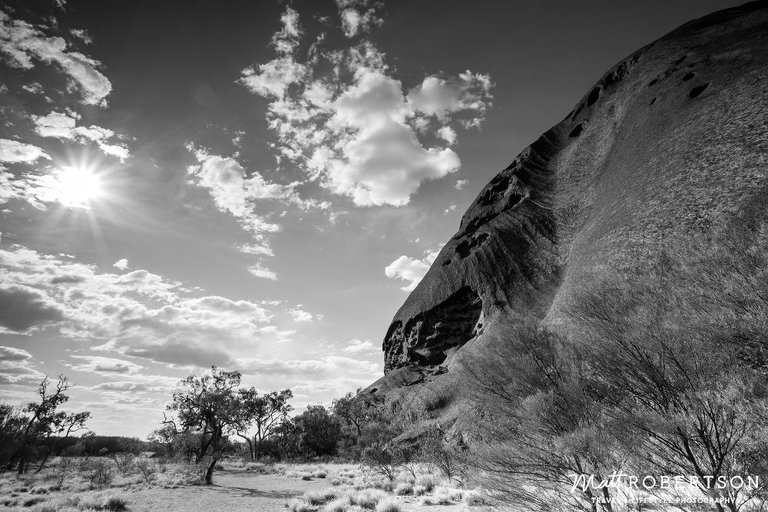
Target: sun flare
{"x":76,"y":186}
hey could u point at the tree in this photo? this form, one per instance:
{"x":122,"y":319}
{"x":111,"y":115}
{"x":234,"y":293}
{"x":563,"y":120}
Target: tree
{"x":320,"y":431}
{"x":265,"y":413}
{"x":11,"y":422}
{"x":41,"y":420}
{"x":353,"y":409}
{"x":210,"y":407}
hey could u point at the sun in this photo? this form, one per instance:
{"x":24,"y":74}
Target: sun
{"x":75,"y":186}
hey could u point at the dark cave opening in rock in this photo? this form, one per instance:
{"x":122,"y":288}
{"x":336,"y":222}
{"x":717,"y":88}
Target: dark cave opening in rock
{"x":431,"y":335}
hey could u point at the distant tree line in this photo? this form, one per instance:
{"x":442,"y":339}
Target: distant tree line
{"x":211,"y":416}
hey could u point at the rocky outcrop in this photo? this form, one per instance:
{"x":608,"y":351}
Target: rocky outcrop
{"x":670,"y":143}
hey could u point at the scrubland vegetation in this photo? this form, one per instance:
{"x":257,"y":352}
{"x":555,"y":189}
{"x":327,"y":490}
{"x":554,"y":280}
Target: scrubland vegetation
{"x":659,"y":372}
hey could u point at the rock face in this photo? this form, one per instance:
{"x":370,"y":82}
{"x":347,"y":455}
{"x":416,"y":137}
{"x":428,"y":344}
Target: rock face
{"x":670,"y":143}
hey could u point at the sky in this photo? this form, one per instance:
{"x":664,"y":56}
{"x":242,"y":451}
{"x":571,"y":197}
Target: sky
{"x":258,"y":185}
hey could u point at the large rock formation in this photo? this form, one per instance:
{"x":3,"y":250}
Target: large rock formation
{"x":670,"y":143}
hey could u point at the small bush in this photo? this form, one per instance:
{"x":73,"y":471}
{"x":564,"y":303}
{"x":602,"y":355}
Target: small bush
{"x":98,"y":472}
{"x":300,"y":506}
{"x":388,"y":505}
{"x":426,"y":481}
{"x":447,"y":495}
{"x":320,"y":497}
{"x":338,"y":505}
{"x":419,"y":490}
{"x":475,"y":499}
{"x":32,"y":500}
{"x":403,"y":489}
{"x":369,"y":498}
{"x":99,"y":502}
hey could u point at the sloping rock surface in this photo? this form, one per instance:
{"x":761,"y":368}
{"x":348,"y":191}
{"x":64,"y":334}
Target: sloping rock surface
{"x":670,"y":143}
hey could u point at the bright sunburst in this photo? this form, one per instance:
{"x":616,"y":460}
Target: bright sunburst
{"x":75,"y":186}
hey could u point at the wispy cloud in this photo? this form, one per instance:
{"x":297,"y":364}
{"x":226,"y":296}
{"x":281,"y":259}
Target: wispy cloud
{"x":24,"y":44}
{"x":16,"y":367}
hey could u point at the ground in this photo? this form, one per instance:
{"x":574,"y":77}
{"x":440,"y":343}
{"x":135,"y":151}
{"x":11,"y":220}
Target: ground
{"x":237,"y":487}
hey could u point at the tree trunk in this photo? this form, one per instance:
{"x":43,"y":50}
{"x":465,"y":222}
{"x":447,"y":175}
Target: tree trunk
{"x":42,"y":464}
{"x":209,"y":471}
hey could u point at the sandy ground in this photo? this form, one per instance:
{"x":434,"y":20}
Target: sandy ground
{"x":236,"y":491}
{"x":232,"y":491}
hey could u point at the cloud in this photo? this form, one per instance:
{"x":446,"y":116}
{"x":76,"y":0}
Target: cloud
{"x":239,"y":192}
{"x":12,"y":151}
{"x":23,"y":311}
{"x":23,"y":43}
{"x":345,"y":121}
{"x":356,"y":19}
{"x":360,"y":346}
{"x":104,"y":365}
{"x":256,"y":249}
{"x":274,"y":77}
{"x":448,"y":134}
{"x":440,"y":97}
{"x":302,"y":316}
{"x":262,"y":272}
{"x":135,"y":314}
{"x":16,"y":367}
{"x":14,"y":354}
{"x":410,"y":269}
{"x":330,"y":366}
{"x":235,"y":193}
{"x":121,"y":264}
{"x":460,"y":184}
{"x":61,"y":125}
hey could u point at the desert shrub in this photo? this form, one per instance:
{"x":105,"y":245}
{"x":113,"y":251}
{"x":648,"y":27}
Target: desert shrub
{"x":419,"y":490}
{"x":388,"y":505}
{"x":147,"y":468}
{"x":101,"y":502}
{"x":434,"y":449}
{"x":426,"y":481}
{"x":319,"y":497}
{"x":340,"y":504}
{"x":124,"y":462}
{"x":98,"y":472}
{"x":368,"y":498}
{"x":445,"y":495}
{"x":476,"y":498}
{"x":404,"y":489}
{"x":32,"y":500}
{"x":300,"y":506}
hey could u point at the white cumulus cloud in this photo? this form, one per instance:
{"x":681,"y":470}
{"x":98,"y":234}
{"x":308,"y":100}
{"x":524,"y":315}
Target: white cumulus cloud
{"x":12,"y":151}
{"x":343,"y":118}
{"x":61,"y":125}
{"x":410,"y":269}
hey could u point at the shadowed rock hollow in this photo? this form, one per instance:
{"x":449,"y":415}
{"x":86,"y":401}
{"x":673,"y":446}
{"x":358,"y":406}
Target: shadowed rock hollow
{"x":670,"y":143}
